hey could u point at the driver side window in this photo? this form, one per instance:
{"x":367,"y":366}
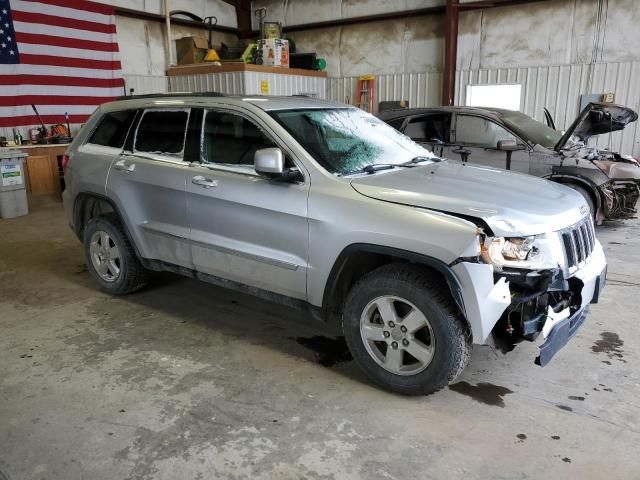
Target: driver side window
{"x":230,"y":139}
{"x":480,"y":132}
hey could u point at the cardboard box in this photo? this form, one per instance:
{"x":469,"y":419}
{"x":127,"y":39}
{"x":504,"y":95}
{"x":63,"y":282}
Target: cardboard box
{"x":275,"y":52}
{"x":191,"y":50}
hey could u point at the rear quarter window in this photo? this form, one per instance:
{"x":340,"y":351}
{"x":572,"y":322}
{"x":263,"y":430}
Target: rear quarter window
{"x":112,"y":129}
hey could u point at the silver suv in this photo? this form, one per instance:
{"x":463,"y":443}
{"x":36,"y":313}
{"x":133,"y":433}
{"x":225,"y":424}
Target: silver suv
{"x":324,"y":207}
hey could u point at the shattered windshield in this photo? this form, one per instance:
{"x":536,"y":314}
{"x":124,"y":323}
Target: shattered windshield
{"x":345,"y":140}
{"x":534,"y":131}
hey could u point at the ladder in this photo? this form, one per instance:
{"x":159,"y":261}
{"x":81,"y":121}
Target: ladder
{"x":364,"y":95}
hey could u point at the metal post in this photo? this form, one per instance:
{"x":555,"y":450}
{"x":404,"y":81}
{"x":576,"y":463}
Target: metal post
{"x":450,"y":52}
{"x":167,"y":14}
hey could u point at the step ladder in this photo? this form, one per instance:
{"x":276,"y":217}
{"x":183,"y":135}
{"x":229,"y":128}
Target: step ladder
{"x":365,"y":92}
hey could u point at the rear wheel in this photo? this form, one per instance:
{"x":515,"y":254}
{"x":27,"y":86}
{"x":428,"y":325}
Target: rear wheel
{"x":111,"y":258}
{"x":405,"y":331}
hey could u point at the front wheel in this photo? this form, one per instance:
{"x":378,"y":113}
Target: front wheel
{"x":404,"y":330}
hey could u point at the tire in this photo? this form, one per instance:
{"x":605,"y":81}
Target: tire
{"x":586,"y":195}
{"x":101,"y":250}
{"x":442,"y":346}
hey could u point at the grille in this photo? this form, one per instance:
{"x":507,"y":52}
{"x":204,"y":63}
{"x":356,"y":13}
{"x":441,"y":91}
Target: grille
{"x":579,"y":242}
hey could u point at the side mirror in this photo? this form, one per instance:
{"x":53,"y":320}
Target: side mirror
{"x":509,"y":146}
{"x":269,"y":162}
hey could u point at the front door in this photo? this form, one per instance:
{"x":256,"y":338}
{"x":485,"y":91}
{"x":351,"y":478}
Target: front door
{"x":148,"y":182}
{"x":244,"y":227}
{"x":476,"y":140}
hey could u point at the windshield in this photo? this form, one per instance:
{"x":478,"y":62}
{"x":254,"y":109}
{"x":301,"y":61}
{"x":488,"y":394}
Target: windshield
{"x":533,"y":130}
{"x":345,"y":140}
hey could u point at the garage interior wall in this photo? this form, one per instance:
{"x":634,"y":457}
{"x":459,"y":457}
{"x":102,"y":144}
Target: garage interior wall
{"x":576,"y":47}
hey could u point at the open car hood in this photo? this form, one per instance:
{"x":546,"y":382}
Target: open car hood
{"x":511,"y":204}
{"x":596,"y":119}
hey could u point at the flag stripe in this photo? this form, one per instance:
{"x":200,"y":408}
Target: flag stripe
{"x":57,"y":80}
{"x":64,"y":32}
{"x":19,"y":100}
{"x":68,"y":52}
{"x":37,"y":39}
{"x":69,"y":62}
{"x":64,"y":12}
{"x":42,"y":19}
{"x":57,"y":71}
{"x":60,"y":91}
{"x":47,"y":119}
{"x":26,"y":110}
{"x":79,"y":5}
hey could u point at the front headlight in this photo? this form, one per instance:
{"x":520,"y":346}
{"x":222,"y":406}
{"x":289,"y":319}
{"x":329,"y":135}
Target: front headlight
{"x":532,"y":253}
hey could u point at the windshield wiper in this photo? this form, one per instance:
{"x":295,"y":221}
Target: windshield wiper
{"x":415,"y":160}
{"x":376,"y":167}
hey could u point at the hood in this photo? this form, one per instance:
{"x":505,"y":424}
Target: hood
{"x":596,"y":119}
{"x":511,"y":204}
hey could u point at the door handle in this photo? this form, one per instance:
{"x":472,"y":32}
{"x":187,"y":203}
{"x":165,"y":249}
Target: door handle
{"x":123,"y":166}
{"x":204,"y":182}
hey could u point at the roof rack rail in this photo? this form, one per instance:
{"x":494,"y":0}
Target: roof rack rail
{"x":172,"y":94}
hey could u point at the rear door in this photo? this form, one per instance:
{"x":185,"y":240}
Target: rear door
{"x":476,"y":138}
{"x":148,"y":181}
{"x":244,"y":227}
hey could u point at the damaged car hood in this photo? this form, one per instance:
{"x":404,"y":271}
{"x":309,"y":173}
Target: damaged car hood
{"x":596,"y":119}
{"x":511,"y":204}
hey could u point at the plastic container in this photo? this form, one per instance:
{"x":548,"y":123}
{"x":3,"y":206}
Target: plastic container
{"x":13,"y":193}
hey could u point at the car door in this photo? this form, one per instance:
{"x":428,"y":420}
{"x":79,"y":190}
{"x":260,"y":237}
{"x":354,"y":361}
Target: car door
{"x":432,"y":131}
{"x":148,"y":182}
{"x":244,"y":227}
{"x":476,"y":138}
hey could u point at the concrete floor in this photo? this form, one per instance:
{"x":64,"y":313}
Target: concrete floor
{"x":185,"y":380}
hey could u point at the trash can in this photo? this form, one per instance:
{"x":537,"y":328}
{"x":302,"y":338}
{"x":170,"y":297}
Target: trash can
{"x":13,"y":193}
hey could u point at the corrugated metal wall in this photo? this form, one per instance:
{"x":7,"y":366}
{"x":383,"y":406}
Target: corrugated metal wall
{"x":421,"y":89}
{"x":229,"y":82}
{"x":145,"y":84}
{"x":557,"y":88}
{"x":249,"y":83}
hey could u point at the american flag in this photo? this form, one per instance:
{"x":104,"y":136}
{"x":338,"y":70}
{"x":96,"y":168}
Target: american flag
{"x":60,"y":55}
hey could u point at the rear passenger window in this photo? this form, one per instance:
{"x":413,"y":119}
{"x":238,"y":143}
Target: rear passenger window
{"x":430,"y":128}
{"x":162,"y":131}
{"x":112,"y":129}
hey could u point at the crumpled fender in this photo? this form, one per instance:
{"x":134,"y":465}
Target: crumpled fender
{"x":484,"y":300}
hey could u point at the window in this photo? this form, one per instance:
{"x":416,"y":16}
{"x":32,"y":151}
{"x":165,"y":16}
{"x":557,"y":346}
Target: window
{"x":230,"y":139}
{"x":162,"y":131}
{"x":430,"y":128}
{"x":480,"y":132}
{"x":344,"y":140}
{"x":397,"y":123}
{"x":112,"y":129}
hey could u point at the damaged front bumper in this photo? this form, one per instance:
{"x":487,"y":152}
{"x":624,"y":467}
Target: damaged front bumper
{"x":619,"y":199}
{"x":505,"y":309}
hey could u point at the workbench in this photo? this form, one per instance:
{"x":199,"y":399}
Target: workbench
{"x":43,"y":169}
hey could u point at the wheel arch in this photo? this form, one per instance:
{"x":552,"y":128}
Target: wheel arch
{"x":358,"y":259}
{"x":588,"y":185}
{"x":88,"y":205}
